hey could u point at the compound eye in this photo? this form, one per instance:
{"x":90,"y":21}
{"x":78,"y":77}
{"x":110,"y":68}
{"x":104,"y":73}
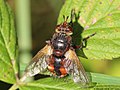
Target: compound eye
{"x":67,"y":30}
{"x":57,"y":30}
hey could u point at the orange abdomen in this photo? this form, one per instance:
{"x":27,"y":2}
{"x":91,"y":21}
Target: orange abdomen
{"x":63,"y":71}
{"x":51,"y":68}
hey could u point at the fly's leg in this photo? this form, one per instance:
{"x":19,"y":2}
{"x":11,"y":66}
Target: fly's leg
{"x":83,"y":43}
{"x":72,"y":17}
{"x":84,"y":39}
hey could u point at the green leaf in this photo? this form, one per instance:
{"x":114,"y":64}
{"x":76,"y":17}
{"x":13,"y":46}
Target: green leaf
{"x":98,"y":16}
{"x":8,"y":67}
{"x":102,"y":17}
{"x":104,"y":81}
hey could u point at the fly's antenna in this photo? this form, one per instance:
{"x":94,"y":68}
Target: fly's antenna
{"x":64,"y":17}
{"x":67,"y":18}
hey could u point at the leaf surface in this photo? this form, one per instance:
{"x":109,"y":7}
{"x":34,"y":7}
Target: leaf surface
{"x":102,"y":17}
{"x":103,"y":81}
{"x":7,"y":44}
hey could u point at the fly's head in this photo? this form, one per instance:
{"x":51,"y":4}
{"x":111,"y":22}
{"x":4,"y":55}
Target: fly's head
{"x":64,"y":27}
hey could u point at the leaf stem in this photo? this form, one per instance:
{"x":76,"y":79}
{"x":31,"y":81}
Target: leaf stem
{"x":14,"y":87}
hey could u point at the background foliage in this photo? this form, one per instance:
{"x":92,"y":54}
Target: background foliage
{"x":8,"y":45}
{"x":102,"y":17}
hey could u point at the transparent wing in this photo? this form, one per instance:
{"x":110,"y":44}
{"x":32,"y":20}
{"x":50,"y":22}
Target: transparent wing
{"x":75,"y":68}
{"x":39,"y":61}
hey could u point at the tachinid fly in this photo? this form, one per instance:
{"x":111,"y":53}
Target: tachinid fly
{"x":59,"y":57}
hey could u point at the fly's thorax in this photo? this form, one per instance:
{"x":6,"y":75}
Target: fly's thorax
{"x":60,"y":44}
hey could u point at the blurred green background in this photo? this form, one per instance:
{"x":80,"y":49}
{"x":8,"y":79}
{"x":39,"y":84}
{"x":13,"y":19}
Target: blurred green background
{"x":44,"y":14}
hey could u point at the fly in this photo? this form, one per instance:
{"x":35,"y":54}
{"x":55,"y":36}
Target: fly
{"x":59,"y":57}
